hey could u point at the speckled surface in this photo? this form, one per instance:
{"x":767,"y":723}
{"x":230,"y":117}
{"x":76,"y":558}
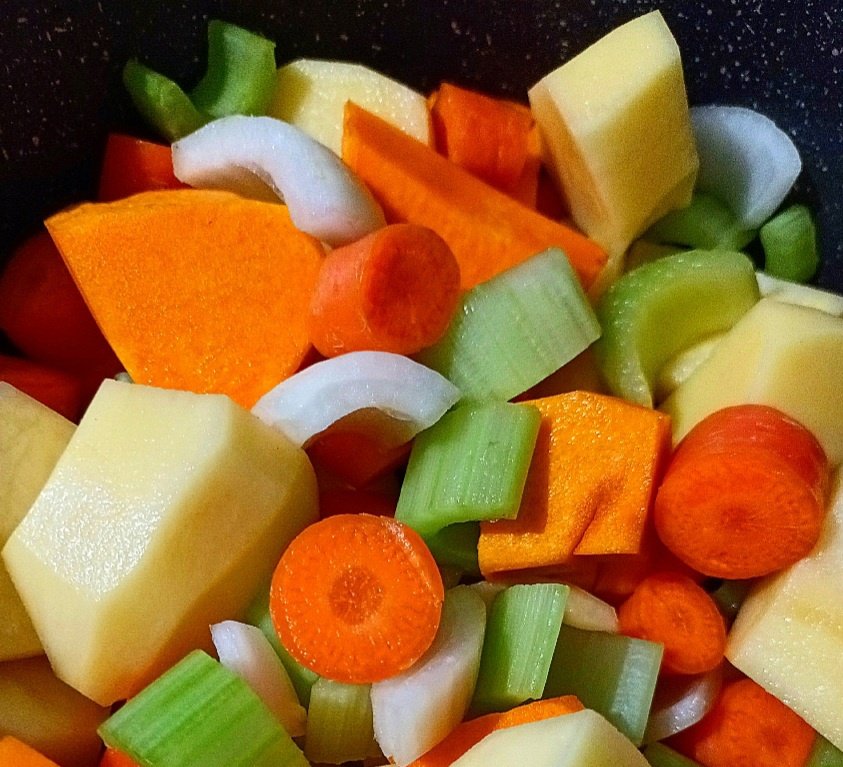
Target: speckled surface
{"x":60,"y":61}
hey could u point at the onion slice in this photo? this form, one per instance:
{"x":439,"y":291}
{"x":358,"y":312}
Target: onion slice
{"x":745,"y":160}
{"x":265,"y":158}
{"x":680,"y":702}
{"x":307,"y":403}
{"x":585,"y":611}
{"x":244,"y":650}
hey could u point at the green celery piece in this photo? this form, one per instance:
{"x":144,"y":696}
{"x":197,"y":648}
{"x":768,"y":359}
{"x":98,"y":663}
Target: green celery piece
{"x":456,"y":546}
{"x":241,"y":73}
{"x":789,"y":240}
{"x":521,"y":634}
{"x":824,"y":754}
{"x":302,"y":678}
{"x":339,"y":723}
{"x":516,"y":329}
{"x":707,"y":224}
{"x":471,"y":465}
{"x":651,"y":314}
{"x":200,"y":714}
{"x":660,"y":755}
{"x":613,"y":674}
{"x":161,"y":102}
{"x":729,"y":597}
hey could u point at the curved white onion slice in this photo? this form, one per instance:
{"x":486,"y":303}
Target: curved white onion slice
{"x":265,"y":158}
{"x":244,"y":650}
{"x":307,"y":403}
{"x":745,"y":159}
{"x":585,"y":611}
{"x":680,"y":702}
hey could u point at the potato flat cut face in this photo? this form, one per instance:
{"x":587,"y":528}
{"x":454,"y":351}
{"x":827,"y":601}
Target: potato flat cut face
{"x":166,"y":513}
{"x":311,"y":95}
{"x":617,"y":131}
{"x":32,"y":437}
{"x":788,"y":635}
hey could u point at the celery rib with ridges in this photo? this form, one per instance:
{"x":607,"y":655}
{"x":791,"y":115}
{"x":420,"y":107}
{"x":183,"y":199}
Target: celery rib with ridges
{"x":339,"y":723}
{"x":515,"y":330}
{"x":199,"y":714}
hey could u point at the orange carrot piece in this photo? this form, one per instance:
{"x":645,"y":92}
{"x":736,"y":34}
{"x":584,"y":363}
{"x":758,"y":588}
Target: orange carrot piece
{"x":469,"y":733}
{"x":44,"y":315}
{"x":355,"y":457}
{"x":747,"y":727}
{"x":197,"y":290}
{"x":744,"y":495}
{"x":131,"y":165}
{"x":673,"y":610}
{"x":487,"y":230}
{"x":58,"y":390}
{"x":348,"y":500}
{"x":589,"y":488}
{"x":16,"y":753}
{"x":526,"y":189}
{"x":488,"y":137}
{"x":394,"y":290}
{"x":357,"y":598}
{"x":114,"y":758}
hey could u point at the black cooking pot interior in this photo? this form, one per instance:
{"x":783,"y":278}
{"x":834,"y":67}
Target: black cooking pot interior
{"x":60,"y":65}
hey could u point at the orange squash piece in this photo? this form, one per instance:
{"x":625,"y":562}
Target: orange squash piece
{"x":15,"y":753}
{"x":197,"y":290}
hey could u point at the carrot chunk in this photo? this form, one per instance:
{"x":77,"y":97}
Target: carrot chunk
{"x":747,"y":727}
{"x":671,"y":609}
{"x":357,"y":598}
{"x":114,"y":758}
{"x":394,"y":290}
{"x":131,"y":165}
{"x":487,"y":231}
{"x":744,"y":495}
{"x":197,"y":290}
{"x":15,"y":753}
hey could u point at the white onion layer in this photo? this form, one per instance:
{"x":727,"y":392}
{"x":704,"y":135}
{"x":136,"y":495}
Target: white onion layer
{"x":310,"y":401}
{"x":265,"y":158}
{"x":745,"y":159}
{"x":585,"y":611}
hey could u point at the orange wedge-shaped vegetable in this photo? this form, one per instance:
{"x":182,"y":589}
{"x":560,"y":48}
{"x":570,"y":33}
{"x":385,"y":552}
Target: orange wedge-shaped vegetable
{"x":15,"y":753}
{"x":196,"y":290}
{"x":488,"y":231}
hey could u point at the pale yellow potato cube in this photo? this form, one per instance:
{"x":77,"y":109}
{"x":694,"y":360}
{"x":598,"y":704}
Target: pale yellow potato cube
{"x":581,"y":739}
{"x":617,"y":132}
{"x":32,"y":437}
{"x":165,"y":513}
{"x":788,"y":635}
{"x":311,"y":94}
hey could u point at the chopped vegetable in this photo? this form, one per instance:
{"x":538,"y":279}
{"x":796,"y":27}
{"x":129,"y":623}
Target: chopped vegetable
{"x":394,"y":290}
{"x":16,"y":753}
{"x":660,"y":755}
{"x":195,"y":259}
{"x":744,"y":494}
{"x":671,"y":609}
{"x":681,"y":701}
{"x":131,"y":165}
{"x":114,"y":758}
{"x":357,"y":598}
{"x":57,"y":389}
{"x":487,"y":231}
{"x":339,"y":723}
{"x":790,"y":245}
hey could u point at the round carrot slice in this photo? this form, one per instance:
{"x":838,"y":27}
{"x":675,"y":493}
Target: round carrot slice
{"x":671,"y":609}
{"x":357,"y":598}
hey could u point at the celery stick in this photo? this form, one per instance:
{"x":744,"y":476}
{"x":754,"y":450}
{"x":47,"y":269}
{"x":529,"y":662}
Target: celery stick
{"x":200,"y":714}
{"x":613,"y":674}
{"x":824,"y":754}
{"x":660,"y":755}
{"x":521,"y":633}
{"x":240,"y":79}
{"x":516,"y":329}
{"x":789,"y":240}
{"x":339,"y":723}
{"x":456,"y":546}
{"x":469,"y":466}
{"x":729,"y":597}
{"x":301,"y":677}
{"x":706,"y":223}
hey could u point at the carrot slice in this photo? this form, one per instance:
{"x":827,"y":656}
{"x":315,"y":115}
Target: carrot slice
{"x":15,"y":753}
{"x":131,"y":165}
{"x":671,"y":609}
{"x":589,"y":489}
{"x":114,"y":758}
{"x":357,"y":598}
{"x":744,"y":495}
{"x":469,"y":733}
{"x":44,"y":315}
{"x":488,"y":231}
{"x":197,"y":290}
{"x":747,"y":727}
{"x":394,"y":290}
{"x":58,"y":390}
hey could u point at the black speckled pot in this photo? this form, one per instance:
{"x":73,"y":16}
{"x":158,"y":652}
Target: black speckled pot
{"x":60,"y":64}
